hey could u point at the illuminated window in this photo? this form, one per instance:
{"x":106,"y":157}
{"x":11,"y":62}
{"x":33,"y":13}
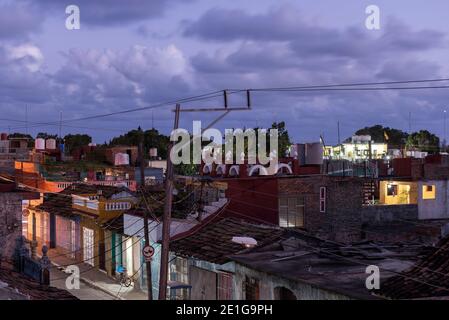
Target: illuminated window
{"x":291,"y":212}
{"x":392,"y":190}
{"x":428,"y":192}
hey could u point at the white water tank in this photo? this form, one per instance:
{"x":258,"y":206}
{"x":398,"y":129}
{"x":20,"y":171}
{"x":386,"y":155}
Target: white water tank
{"x":153,"y":152}
{"x":50,"y":144}
{"x":39,"y":144}
{"x":314,"y":153}
{"x":121,"y":159}
{"x":298,"y":151}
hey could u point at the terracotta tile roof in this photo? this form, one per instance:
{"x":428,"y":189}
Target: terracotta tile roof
{"x":424,"y":278}
{"x":81,"y":188}
{"x":213,"y":241}
{"x":22,"y":287}
{"x":57,"y":204}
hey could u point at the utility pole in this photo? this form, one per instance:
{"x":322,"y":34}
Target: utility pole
{"x":165,"y":250}
{"x":145,"y":217}
{"x":167,"y":217}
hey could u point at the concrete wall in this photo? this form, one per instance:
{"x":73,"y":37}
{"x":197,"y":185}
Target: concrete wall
{"x":344,"y":198}
{"x":379,"y":214}
{"x":268,"y":283}
{"x":10,"y":222}
{"x":434,"y":208}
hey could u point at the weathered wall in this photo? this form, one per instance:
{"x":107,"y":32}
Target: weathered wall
{"x":380,"y":214}
{"x":344,"y":198}
{"x":433,"y":208}
{"x":204,"y":284}
{"x":268,"y":283}
{"x":10,"y":222}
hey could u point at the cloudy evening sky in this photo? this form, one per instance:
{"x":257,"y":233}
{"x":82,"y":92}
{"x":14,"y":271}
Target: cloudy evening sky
{"x":138,"y":53}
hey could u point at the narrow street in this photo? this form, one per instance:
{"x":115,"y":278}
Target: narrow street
{"x":85,"y":292}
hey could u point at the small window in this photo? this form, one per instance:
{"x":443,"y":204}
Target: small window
{"x":392,"y":190}
{"x":291,"y":212}
{"x":322,"y":199}
{"x":428,"y":192}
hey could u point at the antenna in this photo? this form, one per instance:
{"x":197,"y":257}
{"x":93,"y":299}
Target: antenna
{"x":410,"y":122}
{"x":60,"y":124}
{"x":338,"y":131}
{"x":152,"y":119}
{"x":26,"y":118}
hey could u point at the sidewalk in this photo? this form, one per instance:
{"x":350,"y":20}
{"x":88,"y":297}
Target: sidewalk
{"x":98,"y":279}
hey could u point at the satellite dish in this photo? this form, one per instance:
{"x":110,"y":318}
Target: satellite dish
{"x":245,"y":241}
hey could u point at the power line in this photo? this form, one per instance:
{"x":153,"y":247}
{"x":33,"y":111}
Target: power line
{"x":327,"y":87}
{"x":347,"y":84}
{"x":201,"y":97}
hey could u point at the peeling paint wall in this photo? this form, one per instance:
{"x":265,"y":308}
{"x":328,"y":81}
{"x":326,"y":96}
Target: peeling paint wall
{"x":268,"y":283}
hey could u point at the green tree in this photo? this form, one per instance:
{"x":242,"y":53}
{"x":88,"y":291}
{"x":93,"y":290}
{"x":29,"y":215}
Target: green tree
{"x":152,"y":139}
{"x":425,"y":141}
{"x":73,"y":141}
{"x":45,"y":135}
{"x":283,"y":138}
{"x":394,"y":137}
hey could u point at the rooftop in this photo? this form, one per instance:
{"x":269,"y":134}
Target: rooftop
{"x":428,"y":278}
{"x":328,"y":265}
{"x":212,"y":240}
{"x":82,"y":188}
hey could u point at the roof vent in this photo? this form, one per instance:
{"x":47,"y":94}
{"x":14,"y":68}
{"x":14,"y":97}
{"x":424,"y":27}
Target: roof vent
{"x":245,"y":241}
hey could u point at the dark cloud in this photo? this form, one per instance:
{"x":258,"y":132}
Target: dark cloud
{"x":280,"y":48}
{"x":19,"y":20}
{"x":273,"y":49}
{"x":113,"y":12}
{"x":225,"y":25}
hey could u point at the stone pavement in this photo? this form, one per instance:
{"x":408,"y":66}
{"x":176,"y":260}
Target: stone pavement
{"x":97,"y":279}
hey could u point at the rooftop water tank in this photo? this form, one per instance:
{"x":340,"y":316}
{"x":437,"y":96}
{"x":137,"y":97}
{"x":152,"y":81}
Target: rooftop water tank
{"x":39,"y":144}
{"x":50,"y":144}
{"x":314,"y":153}
{"x":153,"y":152}
{"x":121,"y":159}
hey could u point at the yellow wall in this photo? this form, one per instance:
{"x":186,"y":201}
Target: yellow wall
{"x":407,"y":193}
{"x":428,"y":195}
{"x":103,"y":214}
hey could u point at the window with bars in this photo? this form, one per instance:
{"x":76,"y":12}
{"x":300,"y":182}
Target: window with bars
{"x":291,"y":211}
